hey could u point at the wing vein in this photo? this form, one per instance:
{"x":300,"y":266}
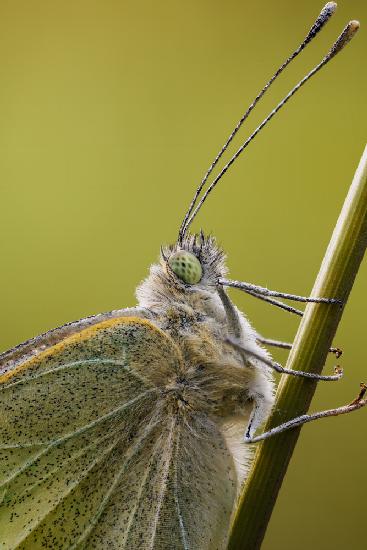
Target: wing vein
{"x":175,"y":493}
{"x":73,"y":364}
{"x":85,"y":428}
{"x":98,"y":459}
{"x":163,"y":486}
{"x":135,"y":448}
{"x":44,"y":451}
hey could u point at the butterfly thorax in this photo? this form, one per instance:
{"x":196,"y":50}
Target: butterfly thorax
{"x":215,"y":378}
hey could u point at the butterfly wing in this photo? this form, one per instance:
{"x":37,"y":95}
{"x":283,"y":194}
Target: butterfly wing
{"x":92,"y":456}
{"x":179,"y":497}
{"x":9,"y":359}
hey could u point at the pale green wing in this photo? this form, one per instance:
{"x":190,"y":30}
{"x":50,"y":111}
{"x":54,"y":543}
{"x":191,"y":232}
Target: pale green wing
{"x":172,"y":488}
{"x":96,"y":453}
{"x":69,"y":414}
{"x":11,"y":358}
{"x":178,"y":496}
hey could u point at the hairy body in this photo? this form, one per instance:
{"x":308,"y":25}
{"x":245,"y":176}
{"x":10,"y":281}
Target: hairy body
{"x":125,"y":430}
{"x":231,"y":386}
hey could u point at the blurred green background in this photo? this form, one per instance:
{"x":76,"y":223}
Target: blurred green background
{"x":111,"y":112}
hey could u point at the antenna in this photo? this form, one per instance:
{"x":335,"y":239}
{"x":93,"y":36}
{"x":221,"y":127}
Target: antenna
{"x":342,"y":40}
{"x":324,"y":16}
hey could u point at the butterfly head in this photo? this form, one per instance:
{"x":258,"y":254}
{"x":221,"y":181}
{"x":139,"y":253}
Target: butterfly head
{"x":194,"y":263}
{"x":186,"y":271}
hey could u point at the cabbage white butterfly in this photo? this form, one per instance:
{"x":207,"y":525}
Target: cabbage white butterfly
{"x":123,"y":430}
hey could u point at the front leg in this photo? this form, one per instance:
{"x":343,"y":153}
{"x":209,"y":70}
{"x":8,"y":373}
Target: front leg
{"x":261,"y":403}
{"x":233,"y":319}
{"x":261,"y":399}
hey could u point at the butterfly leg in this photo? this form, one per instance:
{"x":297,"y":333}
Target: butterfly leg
{"x":235,"y":333}
{"x":358,"y":403}
{"x":257,"y":417}
{"x":286,"y":345}
{"x":258,"y":291}
{"x":276,"y":303}
{"x":282,"y":370}
{"x":233,"y":319}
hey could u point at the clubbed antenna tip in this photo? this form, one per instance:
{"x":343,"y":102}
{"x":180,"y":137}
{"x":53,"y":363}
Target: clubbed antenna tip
{"x":327,"y":11}
{"x":331,"y":6}
{"x":345,"y":37}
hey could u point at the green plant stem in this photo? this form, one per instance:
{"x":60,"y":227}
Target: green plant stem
{"x":313,"y":339}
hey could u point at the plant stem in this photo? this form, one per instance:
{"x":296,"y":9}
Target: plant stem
{"x":313,"y":339}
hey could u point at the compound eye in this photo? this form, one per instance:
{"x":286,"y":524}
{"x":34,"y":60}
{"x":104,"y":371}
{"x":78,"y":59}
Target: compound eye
{"x":186,"y":266}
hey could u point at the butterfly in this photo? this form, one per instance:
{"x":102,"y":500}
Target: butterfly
{"x":126,"y":429}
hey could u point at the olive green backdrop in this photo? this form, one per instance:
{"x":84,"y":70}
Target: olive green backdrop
{"x":110,"y":112}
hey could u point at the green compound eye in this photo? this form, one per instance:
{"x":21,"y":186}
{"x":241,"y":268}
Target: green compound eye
{"x":186,"y":266}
